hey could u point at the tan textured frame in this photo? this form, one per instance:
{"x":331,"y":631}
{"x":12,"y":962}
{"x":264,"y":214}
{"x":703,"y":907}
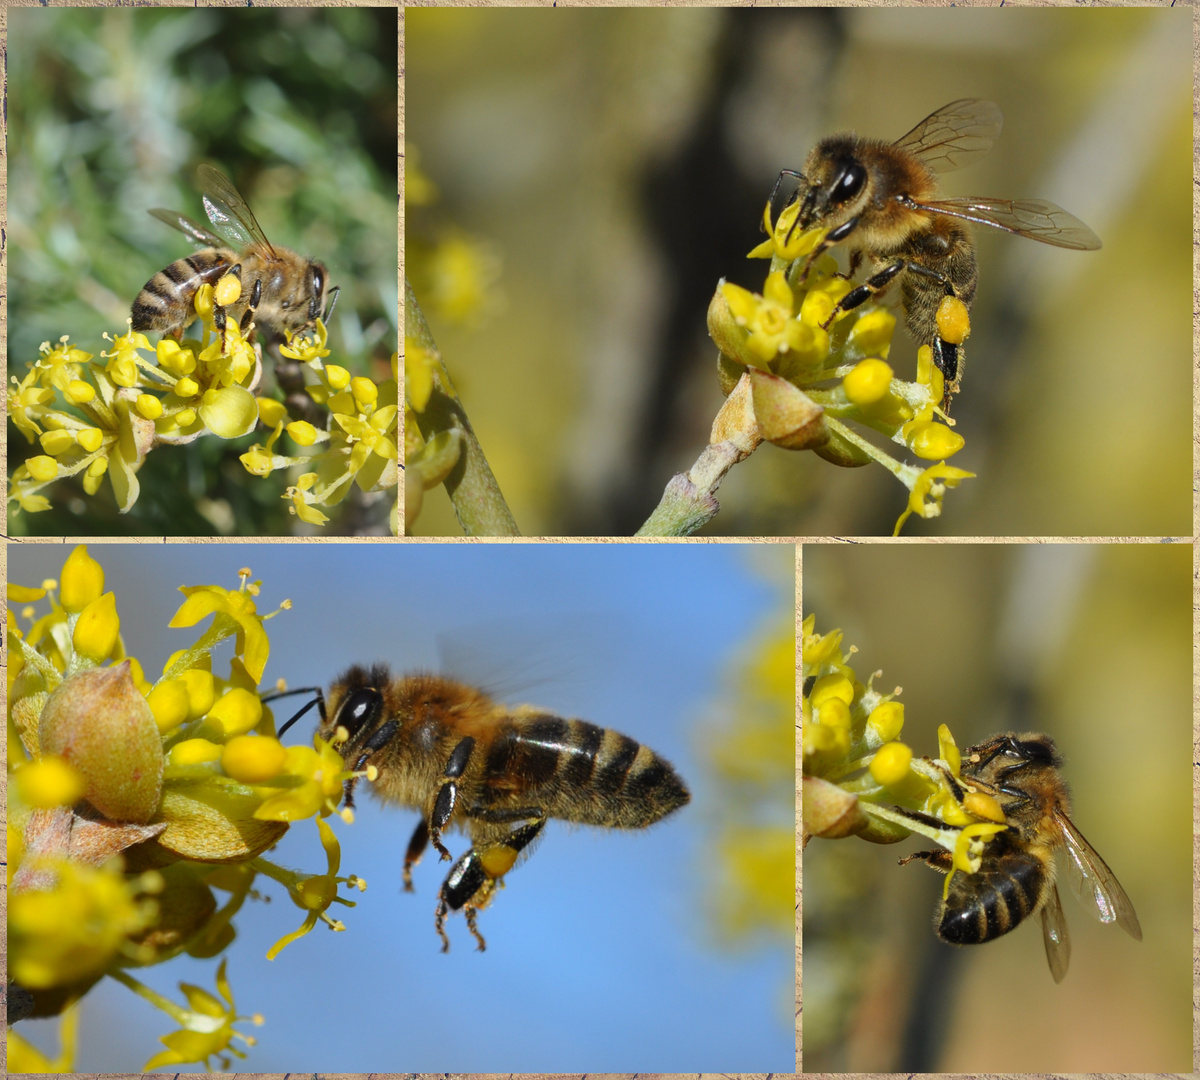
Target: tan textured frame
{"x":798,"y":548}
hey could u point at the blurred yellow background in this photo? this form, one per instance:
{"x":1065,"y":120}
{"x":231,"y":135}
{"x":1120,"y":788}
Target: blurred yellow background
{"x":1091,"y":644}
{"x":614,"y":164}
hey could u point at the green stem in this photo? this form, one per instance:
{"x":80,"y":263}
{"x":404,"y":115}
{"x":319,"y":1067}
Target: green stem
{"x":478,"y":501}
{"x":688,"y":501}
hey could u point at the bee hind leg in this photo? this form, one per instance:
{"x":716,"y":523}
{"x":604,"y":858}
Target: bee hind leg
{"x":479,"y":873}
{"x":941,"y":860}
{"x":471,"y":913}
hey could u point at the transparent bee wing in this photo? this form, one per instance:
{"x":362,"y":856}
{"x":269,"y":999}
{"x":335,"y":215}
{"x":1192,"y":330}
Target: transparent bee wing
{"x":198,"y":234}
{"x":1055,"y":936}
{"x":956,"y":133}
{"x":1034,"y":218}
{"x":228,"y":212}
{"x":1094,"y":883}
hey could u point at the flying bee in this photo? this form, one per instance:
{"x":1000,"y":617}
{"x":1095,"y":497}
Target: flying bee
{"x":498,"y":773}
{"x":881,"y":199}
{"x":279,"y":289}
{"x":1017,"y":874}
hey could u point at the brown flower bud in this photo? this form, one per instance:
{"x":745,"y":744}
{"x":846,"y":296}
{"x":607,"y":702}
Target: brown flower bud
{"x":99,"y":722}
{"x":786,"y":415}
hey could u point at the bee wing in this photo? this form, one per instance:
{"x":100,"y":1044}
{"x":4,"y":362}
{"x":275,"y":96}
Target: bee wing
{"x":950,"y":137}
{"x":198,"y":234}
{"x":1034,"y":218}
{"x":1095,"y":884}
{"x":228,"y":212}
{"x":1055,"y":936}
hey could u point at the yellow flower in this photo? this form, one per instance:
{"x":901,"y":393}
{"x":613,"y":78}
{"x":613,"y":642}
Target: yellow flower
{"x":25,"y":1058}
{"x":420,"y":365}
{"x":928,"y":490}
{"x":767,"y":320}
{"x":785,"y":242}
{"x":204,"y":600}
{"x":71,"y":930}
{"x":49,"y":782}
{"x":313,"y":894}
{"x":462,"y":274}
{"x":301,"y":505}
{"x":206,"y":1027}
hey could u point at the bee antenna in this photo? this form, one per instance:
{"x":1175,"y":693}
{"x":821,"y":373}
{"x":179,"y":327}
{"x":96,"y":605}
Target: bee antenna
{"x":331,"y":299}
{"x":318,"y":700}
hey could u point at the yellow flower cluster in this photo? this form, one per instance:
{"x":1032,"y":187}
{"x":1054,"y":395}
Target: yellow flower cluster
{"x":859,"y":778}
{"x":426,"y":462}
{"x":831,"y":366}
{"x":359,"y":446}
{"x":100,"y":417}
{"x":186,"y":784}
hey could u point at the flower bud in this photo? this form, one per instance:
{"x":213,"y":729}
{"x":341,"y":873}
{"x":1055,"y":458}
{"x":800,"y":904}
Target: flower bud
{"x":97,"y":630}
{"x":99,"y":723}
{"x":787,"y":416}
{"x":82,"y":580}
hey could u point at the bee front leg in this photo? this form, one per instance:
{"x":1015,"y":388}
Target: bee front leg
{"x":382,"y":736}
{"x":447,"y":794}
{"x":834,"y":236}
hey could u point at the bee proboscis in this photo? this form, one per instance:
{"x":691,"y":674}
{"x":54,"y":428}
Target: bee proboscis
{"x":881,"y":200}
{"x":498,"y":773}
{"x":1017,"y":876}
{"x":280,"y":290}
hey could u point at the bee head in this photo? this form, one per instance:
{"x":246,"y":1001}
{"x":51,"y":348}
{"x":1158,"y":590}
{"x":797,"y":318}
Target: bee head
{"x":837,"y":183}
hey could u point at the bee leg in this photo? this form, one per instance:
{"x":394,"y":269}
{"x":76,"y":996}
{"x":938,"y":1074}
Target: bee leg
{"x":252,"y":306}
{"x":439,"y":924}
{"x":447,"y":794}
{"x":834,"y":236}
{"x":218,"y":310}
{"x":941,"y":860}
{"x":416,"y":846}
{"x":330,"y":300}
{"x":860,"y":294}
{"x":471,"y":913}
{"x":382,"y":736}
{"x":779,"y":181}
{"x":477,"y":874}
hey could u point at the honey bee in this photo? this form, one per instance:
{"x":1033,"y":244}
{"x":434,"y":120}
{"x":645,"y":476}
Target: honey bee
{"x":1017,"y":875}
{"x":881,"y":199}
{"x":280,"y":289}
{"x":498,"y":773}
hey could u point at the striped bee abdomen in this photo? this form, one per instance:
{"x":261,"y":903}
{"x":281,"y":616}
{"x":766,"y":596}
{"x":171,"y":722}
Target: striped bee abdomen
{"x":579,"y":772}
{"x":987,"y":904}
{"x":165,"y":301}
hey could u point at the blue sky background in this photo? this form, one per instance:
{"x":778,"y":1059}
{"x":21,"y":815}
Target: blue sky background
{"x":600,"y":956}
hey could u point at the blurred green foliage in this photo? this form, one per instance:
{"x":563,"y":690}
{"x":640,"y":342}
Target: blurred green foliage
{"x":110,"y":112}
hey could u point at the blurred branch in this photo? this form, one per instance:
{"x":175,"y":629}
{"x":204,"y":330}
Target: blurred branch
{"x":471,"y":485}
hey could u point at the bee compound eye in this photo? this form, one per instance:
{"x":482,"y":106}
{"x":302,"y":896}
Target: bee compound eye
{"x":359,"y":709}
{"x":849,"y":182}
